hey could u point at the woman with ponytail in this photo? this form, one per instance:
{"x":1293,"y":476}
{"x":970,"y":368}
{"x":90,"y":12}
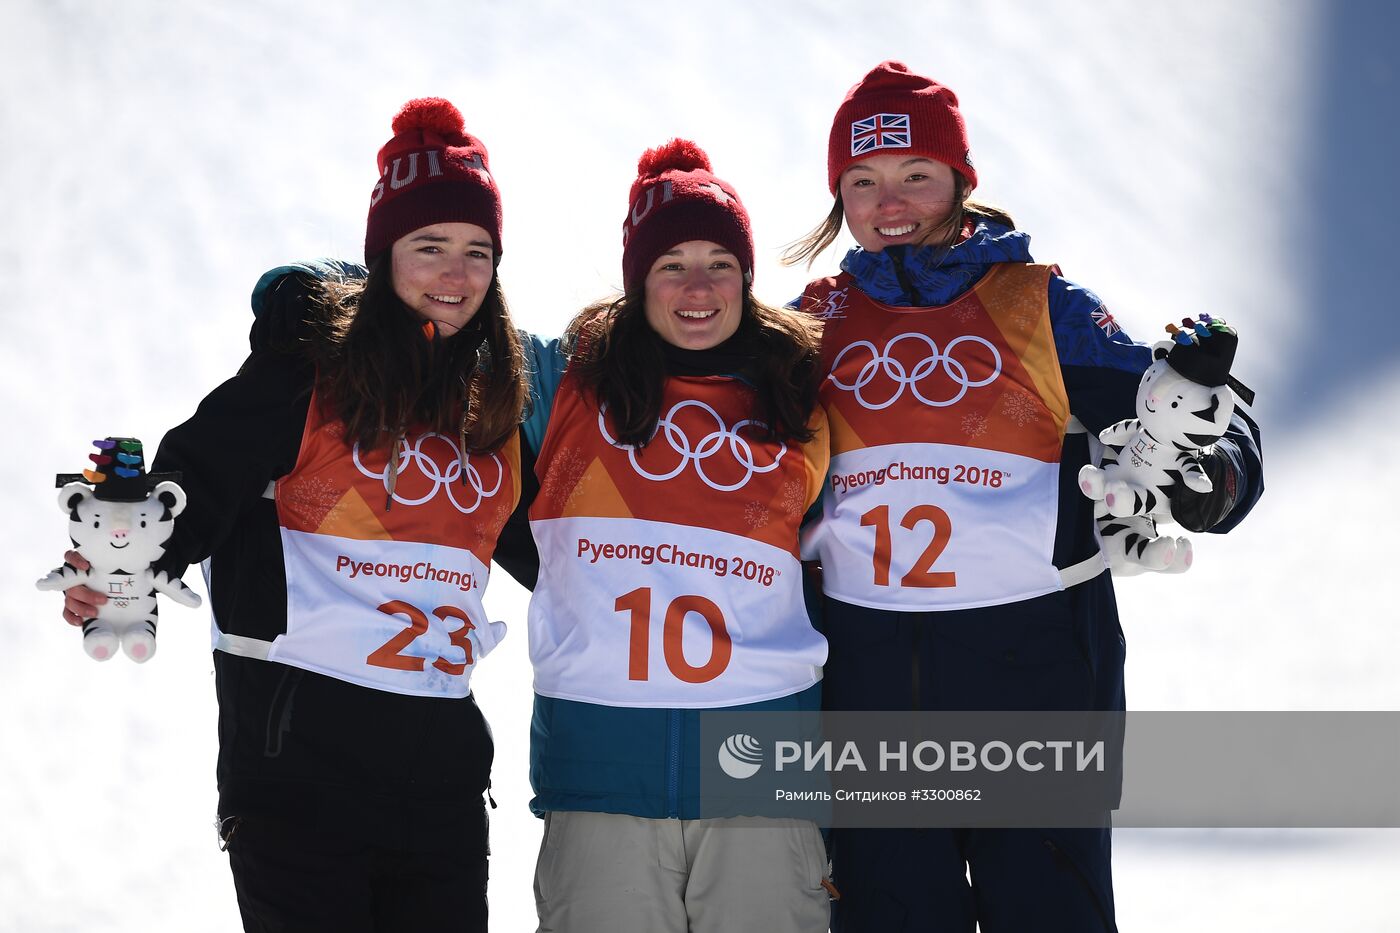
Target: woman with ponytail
{"x":978,"y":583}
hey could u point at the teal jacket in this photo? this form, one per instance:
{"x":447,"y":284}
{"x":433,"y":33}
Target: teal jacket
{"x":610,"y":759}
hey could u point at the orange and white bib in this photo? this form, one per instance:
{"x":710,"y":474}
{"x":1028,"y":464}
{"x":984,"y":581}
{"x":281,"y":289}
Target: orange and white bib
{"x":669,"y":573}
{"x":947,"y":425}
{"x":388,"y":598}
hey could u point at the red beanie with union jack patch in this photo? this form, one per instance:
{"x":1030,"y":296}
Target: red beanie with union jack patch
{"x":891,"y":110}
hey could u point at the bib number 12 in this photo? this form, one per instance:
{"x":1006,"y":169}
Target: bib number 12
{"x":922,"y":573}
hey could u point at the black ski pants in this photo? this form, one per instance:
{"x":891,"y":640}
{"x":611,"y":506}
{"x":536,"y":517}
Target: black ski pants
{"x":372,"y":874}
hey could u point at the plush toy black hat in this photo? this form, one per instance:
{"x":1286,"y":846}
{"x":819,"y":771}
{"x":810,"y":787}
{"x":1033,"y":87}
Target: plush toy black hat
{"x":1204,"y":351}
{"x":120,"y":472}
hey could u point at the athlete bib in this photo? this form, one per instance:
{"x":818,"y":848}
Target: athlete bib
{"x":388,"y":598}
{"x":947,"y":425}
{"x":669,"y":574}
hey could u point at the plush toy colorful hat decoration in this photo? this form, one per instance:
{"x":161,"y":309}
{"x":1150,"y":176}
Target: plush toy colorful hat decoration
{"x":119,"y":472}
{"x":1204,"y":351}
{"x":119,"y":519}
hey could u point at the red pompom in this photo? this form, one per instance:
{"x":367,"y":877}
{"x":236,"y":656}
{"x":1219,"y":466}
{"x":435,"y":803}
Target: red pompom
{"x":430,"y":113}
{"x":678,"y":155}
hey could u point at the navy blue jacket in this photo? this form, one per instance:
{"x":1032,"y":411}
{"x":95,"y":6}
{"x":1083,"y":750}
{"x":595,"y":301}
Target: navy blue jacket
{"x":1064,"y":650}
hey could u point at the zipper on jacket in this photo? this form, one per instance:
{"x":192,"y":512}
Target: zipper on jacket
{"x":1064,"y":861}
{"x":902,"y":275}
{"x":279,"y":713}
{"x":673,"y":763}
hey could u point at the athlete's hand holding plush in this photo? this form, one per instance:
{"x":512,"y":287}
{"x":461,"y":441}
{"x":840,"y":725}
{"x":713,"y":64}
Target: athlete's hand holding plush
{"x":1152,"y":462}
{"x":119,"y":520}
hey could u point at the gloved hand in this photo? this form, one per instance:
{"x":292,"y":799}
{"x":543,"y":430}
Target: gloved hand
{"x":285,"y":322}
{"x":487,"y":637}
{"x":1201,"y":511}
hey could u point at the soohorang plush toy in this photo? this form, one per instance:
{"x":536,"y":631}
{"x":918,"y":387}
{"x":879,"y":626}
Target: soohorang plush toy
{"x":1184,"y":405}
{"x":119,"y":520}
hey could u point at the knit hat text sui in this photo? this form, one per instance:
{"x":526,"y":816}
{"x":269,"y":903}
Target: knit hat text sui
{"x":676,"y":198}
{"x":431,"y":172}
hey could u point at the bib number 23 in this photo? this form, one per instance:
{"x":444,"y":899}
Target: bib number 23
{"x":922,"y":573}
{"x":390,"y":654}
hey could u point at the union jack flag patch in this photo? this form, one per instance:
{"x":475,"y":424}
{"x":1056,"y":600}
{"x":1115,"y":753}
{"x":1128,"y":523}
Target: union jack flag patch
{"x":881,"y":131}
{"x":1104,"y":320}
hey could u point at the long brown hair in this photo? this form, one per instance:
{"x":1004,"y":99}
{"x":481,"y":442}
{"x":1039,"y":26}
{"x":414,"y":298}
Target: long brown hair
{"x":621,"y":361}
{"x":380,"y":375}
{"x":809,"y":247}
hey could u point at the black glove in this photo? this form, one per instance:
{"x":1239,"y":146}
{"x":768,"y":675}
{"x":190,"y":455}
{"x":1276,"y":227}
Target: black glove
{"x":284,"y":324}
{"x":1202,"y":511}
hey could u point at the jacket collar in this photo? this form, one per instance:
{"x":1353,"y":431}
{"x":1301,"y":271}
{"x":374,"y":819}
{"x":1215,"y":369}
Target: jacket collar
{"x":927,"y":276}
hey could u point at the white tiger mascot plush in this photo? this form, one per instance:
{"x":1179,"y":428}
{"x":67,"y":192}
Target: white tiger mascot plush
{"x":1184,"y":405}
{"x":120,"y":524}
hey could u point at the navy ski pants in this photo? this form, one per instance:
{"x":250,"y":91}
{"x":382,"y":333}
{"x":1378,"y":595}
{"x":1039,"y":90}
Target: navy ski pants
{"x":1062,"y":651}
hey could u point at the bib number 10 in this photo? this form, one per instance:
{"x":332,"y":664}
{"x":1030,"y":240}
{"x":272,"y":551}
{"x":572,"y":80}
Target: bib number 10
{"x":638,"y":604}
{"x":922,"y":573}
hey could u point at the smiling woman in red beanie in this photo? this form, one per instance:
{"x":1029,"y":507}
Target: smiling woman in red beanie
{"x":683,"y":431}
{"x":948,"y":596}
{"x":348,"y":497}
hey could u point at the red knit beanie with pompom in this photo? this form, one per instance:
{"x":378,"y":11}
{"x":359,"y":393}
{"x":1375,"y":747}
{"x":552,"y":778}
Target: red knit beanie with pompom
{"x":893,"y":110}
{"x":676,"y":198}
{"x":433,"y":171}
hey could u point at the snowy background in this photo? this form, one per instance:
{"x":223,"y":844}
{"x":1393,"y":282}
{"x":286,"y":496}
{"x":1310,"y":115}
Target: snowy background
{"x":1180,"y":157}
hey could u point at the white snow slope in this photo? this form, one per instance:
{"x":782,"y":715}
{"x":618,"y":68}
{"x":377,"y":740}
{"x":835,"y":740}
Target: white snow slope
{"x":155,"y":157}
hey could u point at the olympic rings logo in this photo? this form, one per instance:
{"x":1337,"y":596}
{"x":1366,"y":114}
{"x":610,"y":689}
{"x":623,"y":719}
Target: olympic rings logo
{"x":884,"y":360}
{"x":709,"y":446}
{"x":434,"y":472}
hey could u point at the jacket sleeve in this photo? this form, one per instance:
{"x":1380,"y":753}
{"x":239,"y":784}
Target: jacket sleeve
{"x":244,"y":434}
{"x":337,"y":269}
{"x":1100,"y":363}
{"x":546,"y":360}
{"x":1102,"y":367}
{"x":1236,"y":469}
{"x":285,"y":304}
{"x":515,"y":548}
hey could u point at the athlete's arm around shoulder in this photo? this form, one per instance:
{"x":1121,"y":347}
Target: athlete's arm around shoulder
{"x":323,"y":269}
{"x":546,"y":359}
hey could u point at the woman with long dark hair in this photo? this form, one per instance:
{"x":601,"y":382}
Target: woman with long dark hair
{"x":679,"y":448}
{"x":348,"y":498}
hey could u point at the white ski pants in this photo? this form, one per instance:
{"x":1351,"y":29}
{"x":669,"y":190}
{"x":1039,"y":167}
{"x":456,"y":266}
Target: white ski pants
{"x":610,"y":873}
